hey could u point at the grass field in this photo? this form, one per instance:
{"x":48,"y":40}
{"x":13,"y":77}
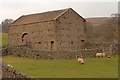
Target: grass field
{"x":93,"y":67}
{"x":3,"y":39}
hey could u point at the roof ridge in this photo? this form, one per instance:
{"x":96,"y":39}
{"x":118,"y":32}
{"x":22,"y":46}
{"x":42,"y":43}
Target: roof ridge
{"x":46,"y":12}
{"x":62,"y":13}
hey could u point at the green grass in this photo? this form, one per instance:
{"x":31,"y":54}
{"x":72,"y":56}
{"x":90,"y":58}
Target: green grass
{"x":3,"y":39}
{"x":93,"y":67}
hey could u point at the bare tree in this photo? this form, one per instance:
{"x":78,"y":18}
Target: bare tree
{"x":5,"y":24}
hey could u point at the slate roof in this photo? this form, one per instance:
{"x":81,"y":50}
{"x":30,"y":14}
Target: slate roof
{"x":39,"y":17}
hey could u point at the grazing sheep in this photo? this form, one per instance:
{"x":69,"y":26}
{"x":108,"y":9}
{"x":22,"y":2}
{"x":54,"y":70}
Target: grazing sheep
{"x":100,"y":55}
{"x":80,"y":60}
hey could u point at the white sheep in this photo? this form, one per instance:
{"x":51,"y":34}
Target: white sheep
{"x":100,"y":54}
{"x":80,"y":60}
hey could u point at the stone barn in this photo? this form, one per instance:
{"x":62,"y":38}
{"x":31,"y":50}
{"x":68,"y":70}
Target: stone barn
{"x":60,"y":30}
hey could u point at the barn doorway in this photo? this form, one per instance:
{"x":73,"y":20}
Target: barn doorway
{"x":26,"y":39}
{"x":82,"y":44}
{"x":52,"y":45}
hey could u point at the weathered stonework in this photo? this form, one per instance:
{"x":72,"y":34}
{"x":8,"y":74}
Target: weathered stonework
{"x":22,"y":51}
{"x":10,"y":73}
{"x":63,"y":32}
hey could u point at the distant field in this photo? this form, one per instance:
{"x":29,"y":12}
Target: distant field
{"x":3,"y":39}
{"x":93,"y":67}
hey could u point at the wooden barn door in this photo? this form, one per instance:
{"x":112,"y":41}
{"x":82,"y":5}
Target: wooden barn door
{"x":26,"y":39}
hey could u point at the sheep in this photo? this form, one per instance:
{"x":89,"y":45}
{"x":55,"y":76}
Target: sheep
{"x":100,"y":55}
{"x":80,"y":60}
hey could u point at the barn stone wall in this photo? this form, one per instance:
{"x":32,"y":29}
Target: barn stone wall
{"x":65,"y":33}
{"x":41,"y":34}
{"x":70,"y":31}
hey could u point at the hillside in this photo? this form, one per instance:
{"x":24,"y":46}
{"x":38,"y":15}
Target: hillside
{"x":99,"y":29}
{"x":97,"y":20}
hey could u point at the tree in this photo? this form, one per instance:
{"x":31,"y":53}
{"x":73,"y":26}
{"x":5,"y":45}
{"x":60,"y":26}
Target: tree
{"x":5,"y":24}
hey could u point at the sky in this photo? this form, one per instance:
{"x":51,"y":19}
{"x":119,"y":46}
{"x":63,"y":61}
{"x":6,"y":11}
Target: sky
{"x":13,"y":9}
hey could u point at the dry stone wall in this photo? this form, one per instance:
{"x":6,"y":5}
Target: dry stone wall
{"x":103,"y":46}
{"x":10,"y":72}
{"x":22,"y":51}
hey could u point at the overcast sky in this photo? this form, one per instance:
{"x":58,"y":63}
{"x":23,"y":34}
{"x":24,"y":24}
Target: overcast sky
{"x":86,"y":8}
